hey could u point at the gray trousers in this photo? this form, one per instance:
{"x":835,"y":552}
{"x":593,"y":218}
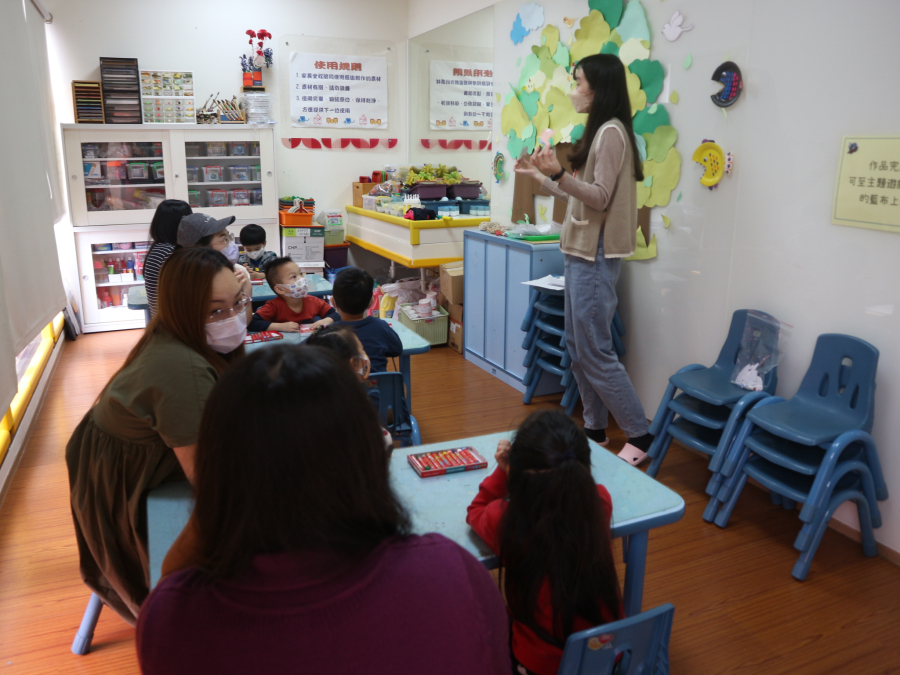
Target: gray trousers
{"x":602,"y":381}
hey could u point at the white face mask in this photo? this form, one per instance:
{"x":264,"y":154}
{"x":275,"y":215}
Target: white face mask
{"x":297,"y":289}
{"x":227,"y":335}
{"x":255,"y":255}
{"x":580,"y":102}
{"x":231,"y":252}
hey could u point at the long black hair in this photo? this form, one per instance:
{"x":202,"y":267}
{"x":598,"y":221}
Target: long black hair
{"x":284,"y":491}
{"x":605,"y":74}
{"x":556,"y":529}
{"x":164,"y":226}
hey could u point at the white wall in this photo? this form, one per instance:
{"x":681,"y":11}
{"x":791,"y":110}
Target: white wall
{"x":209,"y":39}
{"x":764,"y":239}
{"x":426,"y":15}
{"x":469,"y":39}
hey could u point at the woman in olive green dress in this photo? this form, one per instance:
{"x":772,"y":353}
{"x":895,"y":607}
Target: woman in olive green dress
{"x":142,"y":430}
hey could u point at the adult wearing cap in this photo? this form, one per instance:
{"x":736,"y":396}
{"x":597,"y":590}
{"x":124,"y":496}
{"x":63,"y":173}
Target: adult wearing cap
{"x":200,"y":229}
{"x":142,"y":430}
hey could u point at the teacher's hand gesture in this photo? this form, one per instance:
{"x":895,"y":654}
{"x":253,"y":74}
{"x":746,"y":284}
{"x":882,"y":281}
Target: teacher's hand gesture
{"x":542,"y":163}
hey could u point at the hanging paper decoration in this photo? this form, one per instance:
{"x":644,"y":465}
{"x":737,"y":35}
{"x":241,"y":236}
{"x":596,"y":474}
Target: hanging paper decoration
{"x":674,"y":29}
{"x":732,"y":84}
{"x":538,"y":108}
{"x":456,"y":143}
{"x":499,"y":162}
{"x":339,"y":143}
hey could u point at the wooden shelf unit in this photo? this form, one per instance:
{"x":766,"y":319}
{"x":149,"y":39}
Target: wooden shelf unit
{"x":87,"y":99}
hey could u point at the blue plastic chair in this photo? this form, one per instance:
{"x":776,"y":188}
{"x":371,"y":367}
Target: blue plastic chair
{"x":710,"y":409}
{"x":814,"y":448}
{"x":404,"y":426}
{"x":638,"y":645}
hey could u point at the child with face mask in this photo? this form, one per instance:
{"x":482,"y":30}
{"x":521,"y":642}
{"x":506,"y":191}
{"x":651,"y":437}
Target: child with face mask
{"x":255,"y":257}
{"x":292,"y":306}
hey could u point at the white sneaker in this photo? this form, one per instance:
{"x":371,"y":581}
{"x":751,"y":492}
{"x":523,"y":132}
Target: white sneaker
{"x":632,"y":454}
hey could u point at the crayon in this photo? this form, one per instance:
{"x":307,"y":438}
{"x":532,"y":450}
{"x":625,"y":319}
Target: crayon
{"x":470,"y":458}
{"x":454,"y":457}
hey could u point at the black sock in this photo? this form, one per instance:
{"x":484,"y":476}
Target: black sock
{"x":596,"y":435}
{"x":642,"y":443}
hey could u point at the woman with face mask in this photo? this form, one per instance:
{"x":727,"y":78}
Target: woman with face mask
{"x":199,"y":229}
{"x":142,"y":430}
{"x":600,"y":229}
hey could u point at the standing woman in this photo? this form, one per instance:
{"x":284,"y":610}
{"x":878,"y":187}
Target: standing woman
{"x":164,"y":233}
{"x":142,"y":430}
{"x":599,"y":230}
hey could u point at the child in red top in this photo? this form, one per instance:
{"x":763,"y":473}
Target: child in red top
{"x":292,"y":306}
{"x":541,"y":512}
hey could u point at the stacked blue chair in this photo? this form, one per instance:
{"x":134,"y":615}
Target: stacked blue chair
{"x":402,"y":426}
{"x":710,"y":408}
{"x":815,"y":448}
{"x":545,"y":340}
{"x":632,"y":646}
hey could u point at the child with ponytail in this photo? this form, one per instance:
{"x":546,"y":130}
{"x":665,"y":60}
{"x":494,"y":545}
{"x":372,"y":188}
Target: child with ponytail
{"x":541,"y":512}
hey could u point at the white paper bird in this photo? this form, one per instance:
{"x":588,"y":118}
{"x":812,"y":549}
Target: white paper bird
{"x":673,"y":29}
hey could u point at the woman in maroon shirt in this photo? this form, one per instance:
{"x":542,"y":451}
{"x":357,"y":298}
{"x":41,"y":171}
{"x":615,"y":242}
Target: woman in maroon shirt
{"x":298,"y":557}
{"x":552,"y":536}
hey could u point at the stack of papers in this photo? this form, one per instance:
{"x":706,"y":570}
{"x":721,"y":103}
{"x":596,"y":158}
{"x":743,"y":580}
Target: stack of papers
{"x":550,"y":282}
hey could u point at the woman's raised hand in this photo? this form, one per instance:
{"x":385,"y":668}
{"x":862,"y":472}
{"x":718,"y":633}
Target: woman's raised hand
{"x":526,"y":168}
{"x":544,"y":160}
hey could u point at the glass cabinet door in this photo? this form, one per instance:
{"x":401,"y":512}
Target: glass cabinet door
{"x":223,"y":173}
{"x":116,"y":178}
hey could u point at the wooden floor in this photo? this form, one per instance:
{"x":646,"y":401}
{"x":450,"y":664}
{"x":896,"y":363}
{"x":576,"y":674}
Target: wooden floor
{"x":737,"y":608}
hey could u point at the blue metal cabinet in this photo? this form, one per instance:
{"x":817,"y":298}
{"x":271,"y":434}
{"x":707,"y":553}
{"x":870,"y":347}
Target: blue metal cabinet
{"x":496,"y":301}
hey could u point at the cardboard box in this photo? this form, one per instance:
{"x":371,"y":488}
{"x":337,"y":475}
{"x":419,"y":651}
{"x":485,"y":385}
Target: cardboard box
{"x":360,"y":189}
{"x":304,"y":244}
{"x":455,"y":334}
{"x":452,"y":282}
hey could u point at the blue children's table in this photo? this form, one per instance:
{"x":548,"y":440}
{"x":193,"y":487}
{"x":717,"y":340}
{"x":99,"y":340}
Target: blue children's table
{"x":439,"y":504}
{"x":318,"y":286}
{"x":412,"y":344}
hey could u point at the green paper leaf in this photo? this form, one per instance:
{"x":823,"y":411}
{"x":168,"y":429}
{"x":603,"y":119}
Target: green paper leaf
{"x":648,"y":181}
{"x":518,"y":62}
{"x":652,"y":75}
{"x":513,"y":117}
{"x":514,"y":145}
{"x":610,"y":9}
{"x":610,"y":47}
{"x":634,"y":22}
{"x":652,"y":109}
{"x":530,"y":102}
{"x":532,"y":65}
{"x":665,"y":177}
{"x":666,"y":221}
{"x":674,"y":97}
{"x":562,"y":56}
{"x":645,"y":123}
{"x":550,"y":37}
{"x":528,"y":132}
{"x":577,"y":132}
{"x":679,"y":197}
{"x":688,"y":60}
{"x":641,"y":144}
{"x":659,"y":142}
{"x":591,"y":35}
{"x":550,"y":108}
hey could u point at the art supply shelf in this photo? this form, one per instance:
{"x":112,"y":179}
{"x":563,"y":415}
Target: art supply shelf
{"x":119,"y":175}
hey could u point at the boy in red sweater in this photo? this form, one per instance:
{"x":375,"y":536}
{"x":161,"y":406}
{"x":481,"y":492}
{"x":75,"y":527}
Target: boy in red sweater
{"x":292,"y":306}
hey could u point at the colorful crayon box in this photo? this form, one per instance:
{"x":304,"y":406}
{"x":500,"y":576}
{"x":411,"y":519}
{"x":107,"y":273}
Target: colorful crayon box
{"x":262,"y":336}
{"x":440,"y":462}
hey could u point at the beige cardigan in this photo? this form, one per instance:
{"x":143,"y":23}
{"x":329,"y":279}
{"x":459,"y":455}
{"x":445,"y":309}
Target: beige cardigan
{"x":603,"y":198}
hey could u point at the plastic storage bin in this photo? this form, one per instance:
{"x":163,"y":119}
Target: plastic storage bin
{"x":256,"y":196}
{"x":429,"y":190}
{"x":239,"y":172}
{"x":193,"y":174}
{"x":194,"y":150}
{"x":138,"y":171}
{"x":434,"y":330}
{"x":468,"y":190}
{"x":239,"y":148}
{"x":193,"y":198}
{"x":334,"y":235}
{"x":212,"y":174}
{"x":240,"y":198}
{"x":335,"y":255}
{"x":218,"y":197}
{"x":216,"y":149}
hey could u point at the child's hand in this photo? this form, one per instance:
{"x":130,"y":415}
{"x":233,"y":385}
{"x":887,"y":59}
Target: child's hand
{"x":502,"y":455}
{"x":287,"y":327}
{"x":322,"y":323}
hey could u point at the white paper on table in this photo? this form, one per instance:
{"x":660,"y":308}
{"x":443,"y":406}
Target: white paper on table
{"x":550,"y":282}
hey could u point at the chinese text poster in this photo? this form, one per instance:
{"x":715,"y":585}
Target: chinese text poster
{"x":868,"y":184}
{"x":461,"y":96}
